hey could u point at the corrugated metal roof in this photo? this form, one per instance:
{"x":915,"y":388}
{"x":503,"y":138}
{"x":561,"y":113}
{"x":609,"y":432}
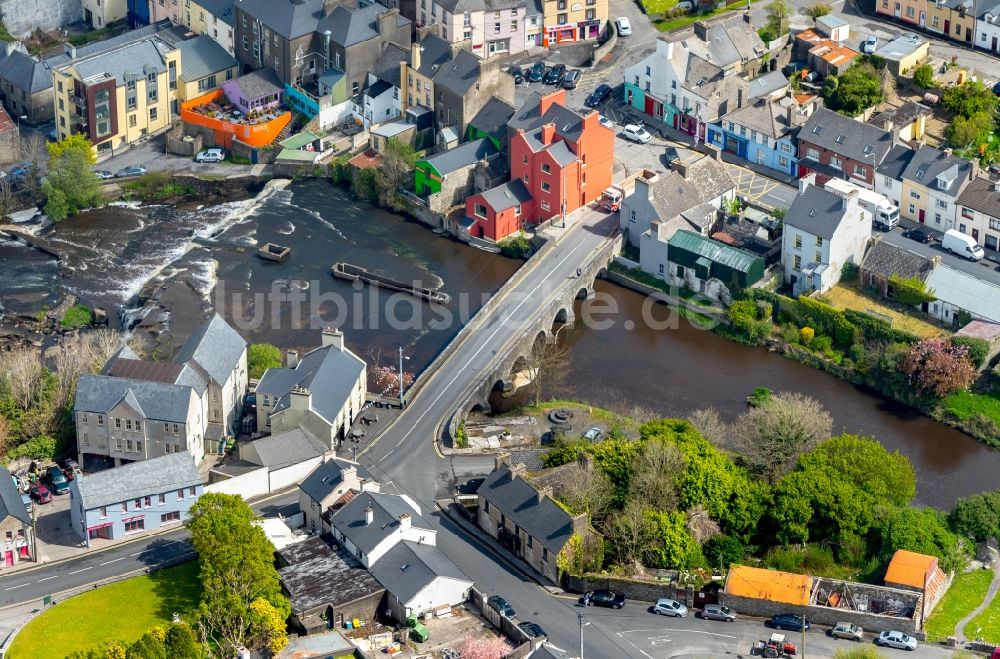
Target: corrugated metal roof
{"x":979,"y":297}
{"x":772,"y":585}
{"x":909,"y":568}
{"x":202,"y":57}
{"x":707,"y":248}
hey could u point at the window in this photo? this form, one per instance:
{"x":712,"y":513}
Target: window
{"x":513,"y":26}
{"x":163,"y":499}
{"x":785,"y":147}
{"x":812,"y":153}
{"x":83,"y":417}
{"x":206,"y":83}
{"x":180,"y":495}
{"x":994,"y":224}
{"x":590,"y":14}
{"x":152,"y":90}
{"x":934,"y":21}
{"x":118,"y":444}
{"x":545,"y":205}
{"x":496,"y":27}
{"x":968,"y":213}
{"x":131,"y":101}
{"x":138,"y":426}
{"x":836,"y":162}
{"x":660,"y":269}
{"x":798,"y":242}
{"x":128,"y":445}
{"x":797,"y":263}
{"x":61,"y":105}
{"x":782,"y":162}
{"x":104,"y":512}
{"x":138,"y":504}
{"x":546,"y":168}
{"x":175,"y":428}
{"x":172,"y":74}
{"x":138,"y":446}
{"x":545,"y":554}
{"x":131,"y":120}
{"x":147,"y":502}
{"x":817,"y":257}
{"x":546,"y":187}
{"x":942,"y":204}
{"x":909,"y":12}
{"x":192,"y":491}
{"x":912,"y":209}
{"x":86,"y":439}
{"x":561,"y":19}
{"x":246,"y":43}
{"x":860,"y":171}
{"x":172,"y":516}
{"x":128,"y":424}
{"x":819,"y":241}
{"x":937,"y":218}
{"x":914,"y":194}
{"x":152,"y":114}
{"x":480,"y":210}
{"x":134,"y":525}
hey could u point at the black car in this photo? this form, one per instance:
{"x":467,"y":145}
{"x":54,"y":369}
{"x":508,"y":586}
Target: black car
{"x":919,"y":235}
{"x":470,"y":486}
{"x":517,"y":73}
{"x":788,"y":621}
{"x":606,"y":598}
{"x":598,"y":95}
{"x":571,"y":79}
{"x":555,"y":75}
{"x":501,"y":606}
{"x":532,"y":629}
{"x":537,"y":72}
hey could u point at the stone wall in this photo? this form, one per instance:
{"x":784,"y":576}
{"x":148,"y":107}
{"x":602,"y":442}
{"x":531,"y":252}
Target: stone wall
{"x":21,"y":17}
{"x":455,"y":187}
{"x":601,"y":51}
{"x":819,"y":615}
{"x":178,"y":146}
{"x":633,"y":589}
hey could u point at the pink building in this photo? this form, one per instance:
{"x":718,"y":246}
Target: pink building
{"x":497,"y":30}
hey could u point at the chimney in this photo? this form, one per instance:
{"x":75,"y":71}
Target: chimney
{"x":326,"y":40}
{"x":369,"y":515}
{"x":714,"y":151}
{"x":849,"y":202}
{"x":591,"y":120}
{"x":387,"y":23}
{"x":548,"y":132}
{"x":415,"y":55}
{"x":541,"y":493}
{"x":298,"y":398}
{"x":518,"y":470}
{"x":328,"y":6}
{"x":404,"y":522}
{"x":501,"y":459}
{"x":291,"y":358}
{"x":974,"y":170}
{"x":554,"y":98}
{"x":947,"y":151}
{"x":70,"y":50}
{"x":681,"y":168}
{"x":701,"y":30}
{"x":806,"y":181}
{"x":332,"y":336}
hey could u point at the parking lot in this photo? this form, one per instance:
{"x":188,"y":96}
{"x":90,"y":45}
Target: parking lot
{"x":54,"y":531}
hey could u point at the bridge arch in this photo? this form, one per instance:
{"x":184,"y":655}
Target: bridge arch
{"x":565,"y":315}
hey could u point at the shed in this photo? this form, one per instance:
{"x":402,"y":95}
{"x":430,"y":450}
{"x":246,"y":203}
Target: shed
{"x":920,"y":573}
{"x":711,"y":259}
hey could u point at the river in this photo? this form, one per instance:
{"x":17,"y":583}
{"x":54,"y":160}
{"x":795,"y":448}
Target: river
{"x":166,"y":268}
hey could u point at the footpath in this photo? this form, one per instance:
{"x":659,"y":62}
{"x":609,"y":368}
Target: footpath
{"x":990,"y":594}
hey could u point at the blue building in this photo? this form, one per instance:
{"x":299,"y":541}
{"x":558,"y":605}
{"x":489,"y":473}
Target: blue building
{"x":138,"y":13}
{"x":137,"y":498}
{"x":765,"y":132}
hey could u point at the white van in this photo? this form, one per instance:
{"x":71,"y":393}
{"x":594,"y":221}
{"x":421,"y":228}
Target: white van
{"x":958,"y":243}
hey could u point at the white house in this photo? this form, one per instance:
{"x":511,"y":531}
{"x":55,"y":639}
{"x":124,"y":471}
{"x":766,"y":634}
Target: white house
{"x":322,"y":392}
{"x":988,"y":28}
{"x":823,"y":232}
{"x":979,"y":212}
{"x":889,"y":175}
{"x":378,"y":101}
{"x":493,"y":28}
{"x":331,"y":485}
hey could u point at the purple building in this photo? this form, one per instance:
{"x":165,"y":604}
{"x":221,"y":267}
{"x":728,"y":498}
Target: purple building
{"x":259,"y":90}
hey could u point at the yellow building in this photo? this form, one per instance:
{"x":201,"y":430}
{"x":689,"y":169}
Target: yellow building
{"x":955,"y":19}
{"x":566,"y":21}
{"x":211,"y":17}
{"x":205,"y":66}
{"x":117,"y":96}
{"x":100,"y":13}
{"x":417,"y":76}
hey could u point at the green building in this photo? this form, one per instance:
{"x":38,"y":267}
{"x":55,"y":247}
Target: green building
{"x":709,"y":259}
{"x":430,"y":173}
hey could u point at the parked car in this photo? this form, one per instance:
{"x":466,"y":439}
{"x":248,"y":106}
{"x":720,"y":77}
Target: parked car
{"x":532,"y":629}
{"x":668,"y":607}
{"x":517,"y":73}
{"x":718,"y":612}
{"x":57,"y":479}
{"x":869,"y":45}
{"x":962,"y":245}
{"x":537,"y":72}
{"x":40,"y":493}
{"x":847,"y":630}
{"x":789,"y":621}
{"x":996,"y":88}
{"x":606,"y":598}
{"x":607,"y":123}
{"x":919,"y":235}
{"x":501,"y":606}
{"x":686,"y":5}
{"x":134,"y":170}
{"x":897,"y":640}
{"x":470,"y":486}
{"x":571,"y":79}
{"x":597,"y":96}
{"x":104,"y":174}
{"x":636,"y":134}
{"x":624,"y":26}
{"x":210,"y":155}
{"x":555,"y":75}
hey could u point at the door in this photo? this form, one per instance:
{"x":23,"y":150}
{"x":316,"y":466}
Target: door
{"x":947,"y":27}
{"x":994,"y":44}
{"x":975,"y":235}
{"x":896,"y":11}
{"x":921,"y":216}
{"x":8,"y":558}
{"x":649,"y":107}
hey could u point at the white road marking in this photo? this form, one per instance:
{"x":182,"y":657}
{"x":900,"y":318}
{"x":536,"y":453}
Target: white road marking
{"x":638,"y":649}
{"x":114,"y":561}
{"x":81,"y":570}
{"x":16,"y":587}
{"x":684,"y":631}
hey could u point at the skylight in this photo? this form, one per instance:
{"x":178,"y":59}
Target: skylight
{"x":817,"y":130}
{"x":841,"y":138}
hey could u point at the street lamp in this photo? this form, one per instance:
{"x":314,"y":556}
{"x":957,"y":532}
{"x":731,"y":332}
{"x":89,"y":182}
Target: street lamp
{"x":402,"y":400}
{"x":23,"y":116}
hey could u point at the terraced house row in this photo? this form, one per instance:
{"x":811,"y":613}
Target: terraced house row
{"x":966,"y":21}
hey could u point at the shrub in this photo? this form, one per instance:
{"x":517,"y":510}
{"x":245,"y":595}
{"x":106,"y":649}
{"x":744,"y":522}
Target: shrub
{"x":923,"y":76}
{"x":78,"y":315}
{"x":822,"y":344}
{"x":818,"y":10}
{"x":760,"y":397}
{"x":911,"y":291}
{"x":742,"y":314}
{"x":262,"y":356}
{"x":461,"y":437}
{"x":977,"y":349}
{"x":806,"y":335}
{"x":516,"y":247}
{"x":790,"y":334}
{"x":42,"y":447}
{"x":849,"y":273}
{"x":937,"y":368}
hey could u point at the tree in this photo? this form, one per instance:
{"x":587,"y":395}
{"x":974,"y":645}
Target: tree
{"x":484,"y":647}
{"x":818,"y":10}
{"x":722,"y":551}
{"x":147,"y":647}
{"x":742,"y":316}
{"x":267,"y":626}
{"x":700,"y":525}
{"x":923,"y":76}
{"x":777,"y":17}
{"x":672,"y":546}
{"x":71,"y":185}
{"x":656,"y":470}
{"x":398,"y":159}
{"x":237,"y":574}
{"x":936,"y":367}
{"x":772,"y":436}
{"x":964,"y":132}
{"x":548,"y":364}
{"x":711,"y":426}
{"x":181,"y":643}
{"x":977,"y":516}
{"x":857,"y":89}
{"x":7,"y":204}
{"x":921,"y":530}
{"x":262,"y":356}
{"x":585,"y":490}
{"x":385,"y":380}
{"x":969,"y":99}
{"x":629,"y":534}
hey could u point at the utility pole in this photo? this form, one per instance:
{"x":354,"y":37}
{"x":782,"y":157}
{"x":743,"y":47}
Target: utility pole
{"x":583,"y":623}
{"x":803,"y":634}
{"x":402,"y":402}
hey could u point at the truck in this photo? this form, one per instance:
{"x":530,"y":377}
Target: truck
{"x":612,"y":198}
{"x":885,"y":216}
{"x":962,"y":245}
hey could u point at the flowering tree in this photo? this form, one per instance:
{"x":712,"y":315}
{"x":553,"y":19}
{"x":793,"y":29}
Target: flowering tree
{"x":489,"y":647}
{"x":936,"y":367}
{"x":385,"y":380}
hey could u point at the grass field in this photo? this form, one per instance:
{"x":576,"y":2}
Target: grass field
{"x":691,"y":19}
{"x":843,"y":297}
{"x":658,"y":6}
{"x":966,"y":403}
{"x":987,"y":624}
{"x":122,"y":611}
{"x":965,"y":594}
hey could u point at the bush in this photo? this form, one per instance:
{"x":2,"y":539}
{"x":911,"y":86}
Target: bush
{"x":806,"y":335}
{"x":761,"y":396}
{"x":742,"y":314}
{"x":818,"y":10}
{"x":923,"y":76}
{"x":790,"y":334}
{"x":76,"y":316}
{"x":977,"y":349}
{"x":849,"y":273}
{"x":262,"y":356}
{"x":822,"y":344}
{"x":42,"y":447}
{"x":911,"y":291}
{"x":516,"y":247}
{"x":723,"y":550}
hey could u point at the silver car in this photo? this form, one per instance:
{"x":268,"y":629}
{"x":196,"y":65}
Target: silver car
{"x":669,"y":607}
{"x":718,"y":612}
{"x":897,"y":640}
{"x":847,"y":630}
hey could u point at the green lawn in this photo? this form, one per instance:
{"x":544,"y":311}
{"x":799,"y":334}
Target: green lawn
{"x":691,"y":19}
{"x":987,"y":624}
{"x":658,"y":6}
{"x":966,"y":403}
{"x":122,"y":611}
{"x":966,"y":593}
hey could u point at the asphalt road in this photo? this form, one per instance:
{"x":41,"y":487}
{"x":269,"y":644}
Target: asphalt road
{"x":987,"y":269}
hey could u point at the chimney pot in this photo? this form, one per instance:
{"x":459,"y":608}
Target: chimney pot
{"x":291,"y":358}
{"x":369,"y":515}
{"x":548,"y":132}
{"x":542,"y":492}
{"x":332,"y":336}
{"x":405,"y":521}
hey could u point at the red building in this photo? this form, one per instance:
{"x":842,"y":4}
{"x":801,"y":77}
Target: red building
{"x":562,"y":159}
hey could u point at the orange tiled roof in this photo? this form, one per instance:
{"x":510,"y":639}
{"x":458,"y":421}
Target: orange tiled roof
{"x":909,"y":568}
{"x":772,"y":585}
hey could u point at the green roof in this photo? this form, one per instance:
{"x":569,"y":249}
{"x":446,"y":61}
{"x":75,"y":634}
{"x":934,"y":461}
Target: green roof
{"x":706,"y":248}
{"x":302,"y":139}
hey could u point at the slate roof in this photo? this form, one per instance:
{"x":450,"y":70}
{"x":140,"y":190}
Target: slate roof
{"x":845,"y":136}
{"x":289,"y":18}
{"x":25,"y":72}
{"x":895,"y":162}
{"x":461,"y":156}
{"x":767,"y":84}
{"x":410,"y":567}
{"x":284,"y":449}
{"x":462,"y":6}
{"x":156,"y":400}
{"x":507,"y":195}
{"x":904,"y":115}
{"x":713,"y":250}
{"x":928,"y":164}
{"x":349,"y":26}
{"x":557,"y":148}
{"x":328,"y":373}
{"x":518,"y":500}
{"x":320,"y":574}
{"x":129,"y":62}
{"x":258,"y":84}
{"x":675,"y":193}
{"x":221,"y":9}
{"x":493,"y":117}
{"x":350,"y":520}
{"x":884,"y":260}
{"x":977,"y":296}
{"x":816,"y":211}
{"x":326,"y":477}
{"x":202,"y":57}
{"x":460,"y":74}
{"x":434,"y":51}
{"x":377,"y":88}
{"x":11,"y":503}
{"x":983,"y":195}
{"x":138,"y":479}
{"x":569,"y":124}
{"x":386,"y":67}
{"x":728,"y":43}
{"x":768,"y":117}
{"x":141,"y":369}
{"x":215,"y":347}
